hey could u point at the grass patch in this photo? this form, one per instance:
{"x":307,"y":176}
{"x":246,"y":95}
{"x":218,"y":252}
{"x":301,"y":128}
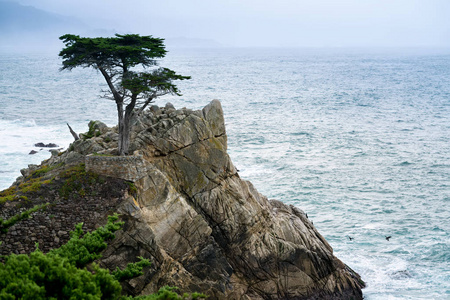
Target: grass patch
{"x":44,"y":170}
{"x":101,"y":154}
{"x":16,"y":192}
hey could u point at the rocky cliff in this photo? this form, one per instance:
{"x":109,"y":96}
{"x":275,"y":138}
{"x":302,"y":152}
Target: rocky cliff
{"x":185,"y":208}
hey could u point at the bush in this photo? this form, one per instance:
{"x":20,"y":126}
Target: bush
{"x":68,"y":272}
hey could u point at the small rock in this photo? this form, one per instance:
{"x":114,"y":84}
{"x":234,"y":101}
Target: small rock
{"x":169,"y":106}
{"x":33,"y":152}
{"x":61,"y":232}
{"x":155,"y":109}
{"x":49,"y":145}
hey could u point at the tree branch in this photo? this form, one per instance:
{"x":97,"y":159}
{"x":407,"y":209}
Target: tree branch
{"x":74,"y":134}
{"x":116,"y":95}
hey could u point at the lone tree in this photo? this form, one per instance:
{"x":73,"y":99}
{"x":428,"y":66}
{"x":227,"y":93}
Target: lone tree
{"x":117,"y":59}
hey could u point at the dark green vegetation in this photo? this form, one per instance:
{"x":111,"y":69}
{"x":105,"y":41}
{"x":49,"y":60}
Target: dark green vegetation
{"x":117,"y":58}
{"x":78,"y":182}
{"x":69,"y":272}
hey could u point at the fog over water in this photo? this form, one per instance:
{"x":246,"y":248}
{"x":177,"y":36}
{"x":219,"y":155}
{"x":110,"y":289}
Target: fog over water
{"x":254,"y":23}
{"x":346,"y":103}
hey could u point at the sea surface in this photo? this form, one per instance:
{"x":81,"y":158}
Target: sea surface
{"x":359,"y":139}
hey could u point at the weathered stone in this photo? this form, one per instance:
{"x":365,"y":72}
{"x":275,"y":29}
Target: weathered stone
{"x":155,"y":109}
{"x":98,"y":125}
{"x":189,"y":212}
{"x":214,"y":230}
{"x":169,"y":106}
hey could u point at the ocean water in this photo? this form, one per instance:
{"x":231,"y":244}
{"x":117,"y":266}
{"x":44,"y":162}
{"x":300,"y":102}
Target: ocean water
{"x":358,"y":139}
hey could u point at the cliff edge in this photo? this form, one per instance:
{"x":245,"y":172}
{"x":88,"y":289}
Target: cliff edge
{"x":185,"y":208}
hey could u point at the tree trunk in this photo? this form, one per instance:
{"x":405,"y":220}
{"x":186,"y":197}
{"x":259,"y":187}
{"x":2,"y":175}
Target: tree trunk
{"x":125,"y":126}
{"x":120,"y":119}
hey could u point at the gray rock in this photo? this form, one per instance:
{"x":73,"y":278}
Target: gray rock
{"x":202,"y":226}
{"x":98,"y":125}
{"x":155,"y":109}
{"x":169,"y":106}
{"x":205,"y":229}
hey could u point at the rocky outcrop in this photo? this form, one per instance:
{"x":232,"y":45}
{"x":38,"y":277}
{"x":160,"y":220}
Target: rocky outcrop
{"x":202,"y":226}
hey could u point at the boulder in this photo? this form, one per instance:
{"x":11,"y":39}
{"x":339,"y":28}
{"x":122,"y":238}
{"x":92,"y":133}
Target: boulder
{"x":206,"y":229}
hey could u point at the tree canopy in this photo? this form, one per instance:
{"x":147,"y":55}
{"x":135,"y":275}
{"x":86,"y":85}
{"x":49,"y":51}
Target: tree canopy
{"x":129,"y":64}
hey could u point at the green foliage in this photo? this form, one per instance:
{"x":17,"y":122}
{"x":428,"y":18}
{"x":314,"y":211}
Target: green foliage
{"x":167,"y":293}
{"x":132,"y":189}
{"x":6,"y":224}
{"x":132,"y":270}
{"x":64,"y":273}
{"x":40,"y":276}
{"x":91,"y":132}
{"x":82,"y":248}
{"x":115,"y":58}
{"x":61,"y":274}
{"x":129,"y":50}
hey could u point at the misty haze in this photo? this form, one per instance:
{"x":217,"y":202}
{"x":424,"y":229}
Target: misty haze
{"x":290,"y":23}
{"x":338,"y":111}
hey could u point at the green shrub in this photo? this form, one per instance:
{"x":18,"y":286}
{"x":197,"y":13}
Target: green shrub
{"x":92,"y":131}
{"x":64,"y":273}
{"x":132,"y":189}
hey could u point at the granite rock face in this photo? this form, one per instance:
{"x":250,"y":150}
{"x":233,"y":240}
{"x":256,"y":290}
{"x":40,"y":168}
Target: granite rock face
{"x":187,"y":210}
{"x":206,"y":229}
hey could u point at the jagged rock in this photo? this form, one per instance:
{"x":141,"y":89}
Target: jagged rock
{"x":203,"y":227}
{"x":206,"y":229}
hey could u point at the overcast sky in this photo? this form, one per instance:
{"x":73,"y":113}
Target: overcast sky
{"x":317,"y":23}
